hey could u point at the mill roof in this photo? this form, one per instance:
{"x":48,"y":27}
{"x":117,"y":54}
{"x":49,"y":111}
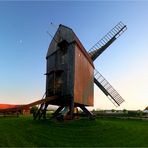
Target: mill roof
{"x":66,"y":33}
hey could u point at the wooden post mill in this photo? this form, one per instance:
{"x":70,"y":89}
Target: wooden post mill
{"x":70,"y":73}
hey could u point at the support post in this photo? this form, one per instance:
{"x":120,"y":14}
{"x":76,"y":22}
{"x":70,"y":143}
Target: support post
{"x":45,"y":109}
{"x":57,"y":111}
{"x":87,"y":112}
{"x":38,"y":112}
{"x":71,"y":107}
{"x":43,"y":112}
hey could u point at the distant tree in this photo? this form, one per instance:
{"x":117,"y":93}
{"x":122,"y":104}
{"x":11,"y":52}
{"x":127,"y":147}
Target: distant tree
{"x":113,"y":110}
{"x":93,"y":110}
{"x":146,"y":108}
{"x":125,"y":111}
{"x":101,"y":111}
{"x":33,"y":109}
{"x":140,"y":113}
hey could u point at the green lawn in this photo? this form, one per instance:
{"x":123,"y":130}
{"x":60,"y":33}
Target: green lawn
{"x":24,"y":131}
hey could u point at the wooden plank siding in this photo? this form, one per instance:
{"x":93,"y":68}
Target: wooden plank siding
{"x":69,"y":75}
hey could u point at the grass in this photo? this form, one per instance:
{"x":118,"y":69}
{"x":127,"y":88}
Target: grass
{"x":25,"y":132}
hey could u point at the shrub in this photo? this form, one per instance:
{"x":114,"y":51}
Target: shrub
{"x":33,"y":109}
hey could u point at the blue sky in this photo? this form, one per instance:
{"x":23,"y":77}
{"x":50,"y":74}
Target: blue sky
{"x":24,"y":43}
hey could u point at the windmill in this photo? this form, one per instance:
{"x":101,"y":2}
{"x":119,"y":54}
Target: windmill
{"x":71,"y":74}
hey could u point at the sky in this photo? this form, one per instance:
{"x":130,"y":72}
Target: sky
{"x":24,"y":42}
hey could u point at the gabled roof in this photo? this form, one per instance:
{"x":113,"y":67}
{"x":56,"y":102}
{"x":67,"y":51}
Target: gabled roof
{"x":66,"y":33}
{"x":6,"y":106}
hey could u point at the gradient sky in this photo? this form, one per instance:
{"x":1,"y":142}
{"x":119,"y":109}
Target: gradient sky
{"x":24,"y":43}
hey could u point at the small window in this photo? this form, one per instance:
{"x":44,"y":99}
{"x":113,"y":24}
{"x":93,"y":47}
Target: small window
{"x":63,"y":44}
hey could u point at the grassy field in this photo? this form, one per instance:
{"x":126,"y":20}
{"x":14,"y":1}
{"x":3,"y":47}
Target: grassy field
{"x":24,"y":131}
